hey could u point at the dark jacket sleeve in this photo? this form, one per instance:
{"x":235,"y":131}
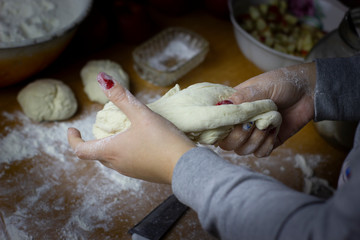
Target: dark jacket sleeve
{"x":337,"y":92}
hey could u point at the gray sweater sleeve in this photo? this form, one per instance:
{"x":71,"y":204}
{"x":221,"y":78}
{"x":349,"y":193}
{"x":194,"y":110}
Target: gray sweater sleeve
{"x":233,"y":202}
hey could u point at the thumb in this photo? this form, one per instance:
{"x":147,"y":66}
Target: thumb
{"x":120,"y":96}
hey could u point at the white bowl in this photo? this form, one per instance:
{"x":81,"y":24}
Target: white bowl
{"x":21,"y":59}
{"x":265,"y":57}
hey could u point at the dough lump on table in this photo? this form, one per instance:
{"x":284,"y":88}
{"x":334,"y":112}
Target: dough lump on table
{"x":194,"y":111}
{"x":89,"y":78}
{"x":47,"y":100}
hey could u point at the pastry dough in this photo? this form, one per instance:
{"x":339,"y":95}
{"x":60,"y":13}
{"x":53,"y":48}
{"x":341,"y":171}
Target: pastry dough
{"x":89,"y":75}
{"x":194,"y":111}
{"x":47,"y":100}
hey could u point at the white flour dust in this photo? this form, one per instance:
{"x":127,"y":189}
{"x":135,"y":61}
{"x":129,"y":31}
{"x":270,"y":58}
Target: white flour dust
{"x":312,"y":184}
{"x":44,"y":187}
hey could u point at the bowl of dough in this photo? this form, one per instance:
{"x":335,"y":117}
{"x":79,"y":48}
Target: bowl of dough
{"x":278,"y":33}
{"x":35,"y":33}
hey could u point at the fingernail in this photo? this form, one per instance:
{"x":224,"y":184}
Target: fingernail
{"x":247,"y":126}
{"x":224,"y":102}
{"x":105,"y":80}
{"x":268,"y":152}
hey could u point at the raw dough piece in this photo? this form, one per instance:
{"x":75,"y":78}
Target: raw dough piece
{"x":89,"y":73}
{"x":194,"y":111}
{"x":47,"y":100}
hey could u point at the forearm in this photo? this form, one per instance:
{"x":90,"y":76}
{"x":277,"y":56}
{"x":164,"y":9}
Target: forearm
{"x":232,"y":200}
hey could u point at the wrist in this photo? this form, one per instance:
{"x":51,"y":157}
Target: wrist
{"x":174,"y":159}
{"x":305,"y":76}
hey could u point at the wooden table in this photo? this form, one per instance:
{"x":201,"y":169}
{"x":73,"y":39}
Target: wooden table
{"x":47,"y":197}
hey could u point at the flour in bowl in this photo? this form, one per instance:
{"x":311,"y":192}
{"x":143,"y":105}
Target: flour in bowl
{"x":27,"y":19}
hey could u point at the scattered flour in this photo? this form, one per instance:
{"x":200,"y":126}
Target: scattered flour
{"x":32,"y":139}
{"x":312,"y":184}
{"x":45,"y":187}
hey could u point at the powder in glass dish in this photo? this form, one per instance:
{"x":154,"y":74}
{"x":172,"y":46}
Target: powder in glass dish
{"x":174,"y":55}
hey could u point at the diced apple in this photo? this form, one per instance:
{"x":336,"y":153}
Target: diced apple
{"x":254,"y":12}
{"x":260,"y":24}
{"x":263,"y":9}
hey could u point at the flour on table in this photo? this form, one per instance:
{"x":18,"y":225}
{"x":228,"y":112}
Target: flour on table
{"x":312,"y":184}
{"x":194,"y":111}
{"x":42,"y":183}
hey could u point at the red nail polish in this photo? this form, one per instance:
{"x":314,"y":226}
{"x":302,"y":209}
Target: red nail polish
{"x":105,"y":80}
{"x":224,"y":102}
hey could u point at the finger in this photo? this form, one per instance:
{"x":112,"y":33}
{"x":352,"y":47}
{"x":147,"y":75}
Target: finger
{"x":107,"y":164}
{"x":74,"y":138}
{"x":225,"y":115}
{"x":90,"y":150}
{"x":237,"y":136}
{"x":120,"y":96}
{"x":268,"y":145}
{"x":253,"y":142}
{"x":247,"y":94}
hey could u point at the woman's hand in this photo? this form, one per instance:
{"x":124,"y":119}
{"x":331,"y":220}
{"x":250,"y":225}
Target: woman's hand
{"x":148,"y":150}
{"x":291,"y":88}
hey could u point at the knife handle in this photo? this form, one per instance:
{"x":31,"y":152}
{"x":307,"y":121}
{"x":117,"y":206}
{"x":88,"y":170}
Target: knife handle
{"x":160,"y":220}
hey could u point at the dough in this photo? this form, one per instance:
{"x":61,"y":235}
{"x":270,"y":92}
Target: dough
{"x":194,"y":111}
{"x":47,"y":100}
{"x":89,"y":73}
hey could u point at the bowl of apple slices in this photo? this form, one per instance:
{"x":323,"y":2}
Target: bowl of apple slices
{"x":280,"y":33}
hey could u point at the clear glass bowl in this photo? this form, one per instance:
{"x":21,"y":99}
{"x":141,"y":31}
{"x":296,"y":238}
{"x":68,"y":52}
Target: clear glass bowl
{"x":169,"y":55}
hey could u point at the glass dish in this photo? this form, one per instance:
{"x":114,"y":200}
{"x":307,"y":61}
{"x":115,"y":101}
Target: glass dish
{"x":169,"y":55}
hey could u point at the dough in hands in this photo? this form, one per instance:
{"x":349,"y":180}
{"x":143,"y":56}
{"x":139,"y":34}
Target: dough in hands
{"x":47,"y":100}
{"x":89,"y":73}
{"x":194,"y":111}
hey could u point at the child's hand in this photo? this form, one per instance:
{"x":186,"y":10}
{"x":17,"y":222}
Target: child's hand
{"x":148,"y":150}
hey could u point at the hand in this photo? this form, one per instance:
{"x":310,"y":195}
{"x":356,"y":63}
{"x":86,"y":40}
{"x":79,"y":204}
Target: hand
{"x":291,"y":88}
{"x":148,"y":150}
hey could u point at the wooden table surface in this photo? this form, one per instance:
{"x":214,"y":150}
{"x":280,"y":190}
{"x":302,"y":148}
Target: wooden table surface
{"x":45,"y":197}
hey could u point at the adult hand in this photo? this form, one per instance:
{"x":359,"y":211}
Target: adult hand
{"x":291,"y":88}
{"x":148,"y":150}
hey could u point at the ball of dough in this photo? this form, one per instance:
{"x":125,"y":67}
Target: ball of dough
{"x":47,"y":100}
{"x":89,"y":78}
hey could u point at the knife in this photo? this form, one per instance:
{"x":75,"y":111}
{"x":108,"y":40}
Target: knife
{"x":156,"y":224}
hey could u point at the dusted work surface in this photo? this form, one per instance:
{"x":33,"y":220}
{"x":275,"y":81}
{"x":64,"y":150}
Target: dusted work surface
{"x":47,"y":193}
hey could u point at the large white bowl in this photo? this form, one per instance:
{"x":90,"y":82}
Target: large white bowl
{"x":265,"y":57}
{"x":19,"y":60}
